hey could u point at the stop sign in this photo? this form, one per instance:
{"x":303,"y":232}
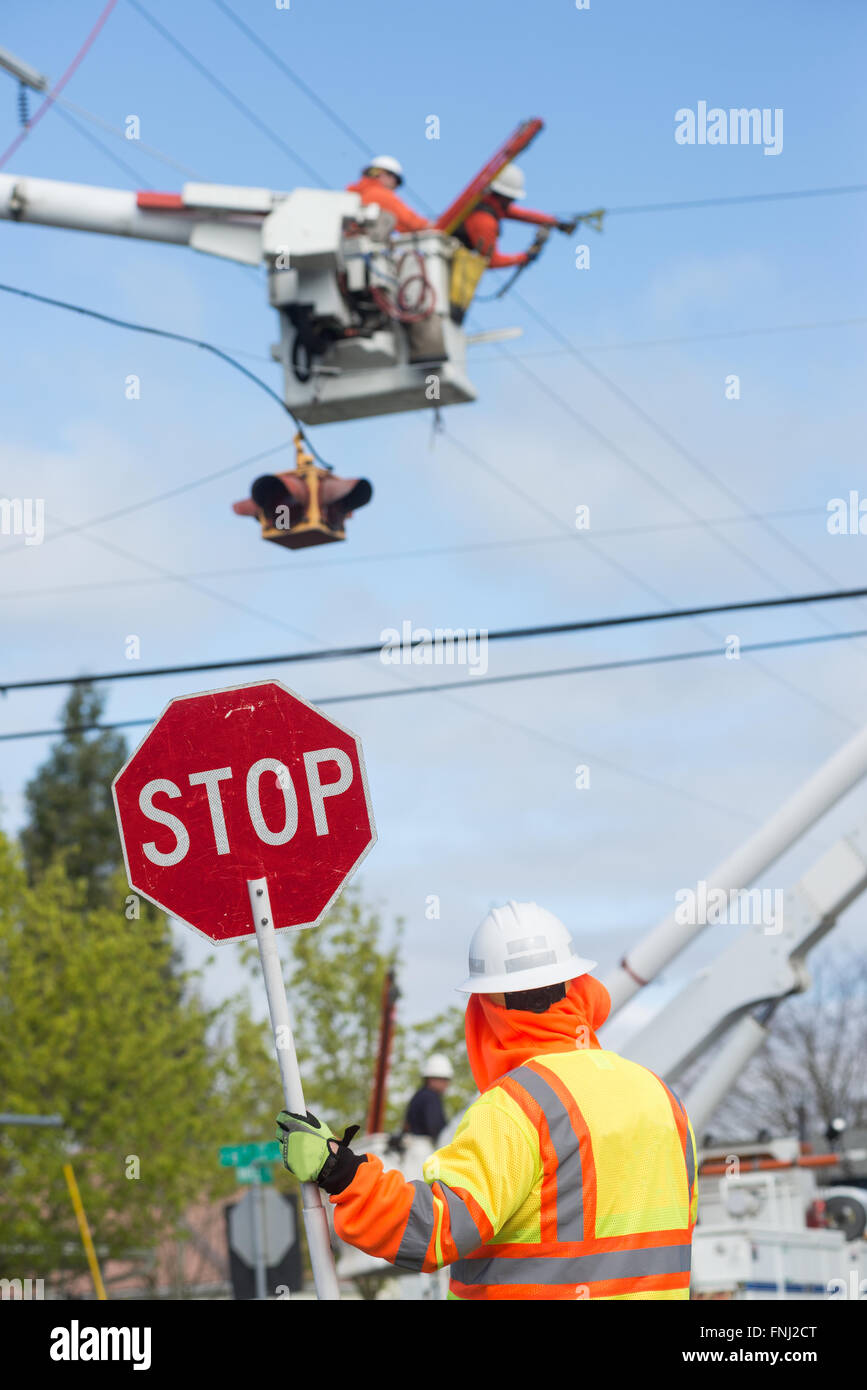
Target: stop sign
{"x":240,"y":784}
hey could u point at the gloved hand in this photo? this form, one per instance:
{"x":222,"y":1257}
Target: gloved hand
{"x":568,"y":226}
{"x":531,"y":253}
{"x":314,"y":1154}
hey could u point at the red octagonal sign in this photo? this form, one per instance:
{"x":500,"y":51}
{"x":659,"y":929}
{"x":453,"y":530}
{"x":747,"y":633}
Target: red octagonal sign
{"x":240,"y":784}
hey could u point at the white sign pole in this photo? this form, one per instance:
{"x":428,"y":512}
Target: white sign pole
{"x":315,"y":1220}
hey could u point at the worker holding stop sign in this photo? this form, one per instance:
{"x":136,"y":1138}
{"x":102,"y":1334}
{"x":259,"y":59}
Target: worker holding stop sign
{"x":246,"y":810}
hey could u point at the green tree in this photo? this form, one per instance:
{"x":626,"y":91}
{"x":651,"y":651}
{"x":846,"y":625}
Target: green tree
{"x":335,"y":992}
{"x":69,"y":804}
{"x":413,"y":1044}
{"x":334,"y":984}
{"x":99,"y":1026}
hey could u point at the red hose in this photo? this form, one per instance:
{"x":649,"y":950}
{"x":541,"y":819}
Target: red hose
{"x":399,"y":308}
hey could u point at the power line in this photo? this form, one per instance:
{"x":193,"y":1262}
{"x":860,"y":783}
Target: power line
{"x":173,"y":337}
{"x":738,"y":198}
{"x":318,"y":101}
{"x":94,"y":140}
{"x":141,"y":146}
{"x":477,"y":684}
{"x":624,"y":569}
{"x":294,"y":78}
{"x":498,"y":635}
{"x":675,"y":444}
{"x":225,"y":91}
{"x":162,"y":497}
{"x":367,"y":149}
{"x":59,"y":86}
{"x":381,"y":557}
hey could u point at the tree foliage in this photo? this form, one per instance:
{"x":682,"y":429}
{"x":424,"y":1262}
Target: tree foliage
{"x":811,"y":1070}
{"x":99,"y":1027}
{"x":70,"y":812}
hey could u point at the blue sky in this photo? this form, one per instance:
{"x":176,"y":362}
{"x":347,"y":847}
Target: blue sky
{"x":474,"y":793}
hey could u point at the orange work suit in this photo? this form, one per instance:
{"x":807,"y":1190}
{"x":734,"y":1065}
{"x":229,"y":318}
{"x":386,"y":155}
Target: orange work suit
{"x":482,"y":228}
{"x":372,"y":191}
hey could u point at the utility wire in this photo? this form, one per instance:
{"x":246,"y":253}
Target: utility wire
{"x":137,"y":180}
{"x":140,"y":145}
{"x":440,"y":686}
{"x":624,"y":570}
{"x":225,"y":91}
{"x":173,"y":337}
{"x":679,"y":448}
{"x":673,"y":443}
{"x":738,"y":198}
{"x":294,"y":78}
{"x":59,"y":86}
{"x":380,"y":557}
{"x":627,"y":345}
{"x":499,"y":635}
{"x":318,"y":101}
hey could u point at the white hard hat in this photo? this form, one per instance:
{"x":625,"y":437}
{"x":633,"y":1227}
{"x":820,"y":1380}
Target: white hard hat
{"x":509,"y":182}
{"x":521,"y":946}
{"x":437,"y":1065}
{"x":389,"y":164}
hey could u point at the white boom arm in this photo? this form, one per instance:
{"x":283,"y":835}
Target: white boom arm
{"x":220,"y":219}
{"x":760,"y":967}
{"x":836,"y":777}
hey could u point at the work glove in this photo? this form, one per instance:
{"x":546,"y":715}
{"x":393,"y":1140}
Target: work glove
{"x":314,"y":1154}
{"x":568,"y":227}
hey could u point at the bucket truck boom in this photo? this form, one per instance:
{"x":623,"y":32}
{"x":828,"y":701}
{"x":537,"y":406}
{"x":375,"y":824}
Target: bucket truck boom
{"x":365,"y":322}
{"x":807,"y":805}
{"x":760,"y":967}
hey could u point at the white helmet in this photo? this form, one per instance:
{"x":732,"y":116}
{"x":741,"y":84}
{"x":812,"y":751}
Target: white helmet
{"x":521,"y":946}
{"x":438,"y":1066}
{"x":509,"y":182}
{"x":389,"y":164}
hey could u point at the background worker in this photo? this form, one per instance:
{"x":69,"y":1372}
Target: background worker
{"x":425,"y":1113}
{"x":481,"y":229}
{"x":572,"y":1176}
{"x":377,"y":184}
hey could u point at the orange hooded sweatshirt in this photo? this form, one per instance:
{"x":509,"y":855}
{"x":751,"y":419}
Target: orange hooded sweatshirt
{"x":501,"y":1039}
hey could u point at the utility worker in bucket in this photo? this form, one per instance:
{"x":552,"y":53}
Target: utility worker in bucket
{"x":378,"y":181}
{"x":481,"y":229}
{"x":572,"y":1176}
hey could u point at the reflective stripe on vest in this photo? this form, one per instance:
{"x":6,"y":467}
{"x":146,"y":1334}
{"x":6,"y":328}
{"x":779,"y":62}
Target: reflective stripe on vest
{"x":570,"y":1185}
{"x":422,"y":1223}
{"x":575,"y":1269}
{"x":417,"y":1233}
{"x":688,"y":1149}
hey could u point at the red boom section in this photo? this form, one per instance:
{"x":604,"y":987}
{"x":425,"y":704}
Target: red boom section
{"x":466,"y":201}
{"x":160,"y":202}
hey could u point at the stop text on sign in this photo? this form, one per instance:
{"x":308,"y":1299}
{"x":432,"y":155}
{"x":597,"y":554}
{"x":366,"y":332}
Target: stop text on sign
{"x":212,"y":778}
